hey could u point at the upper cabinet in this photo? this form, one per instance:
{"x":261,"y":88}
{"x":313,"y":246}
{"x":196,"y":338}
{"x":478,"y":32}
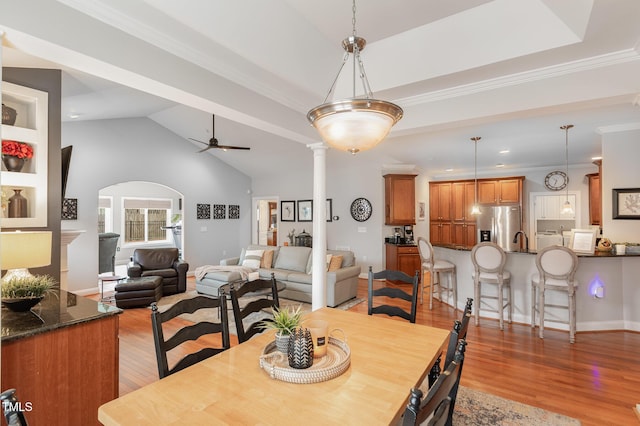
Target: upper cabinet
{"x":500,"y":191}
{"x":400,"y":199}
{"x":595,"y":195}
{"x":30,"y":127}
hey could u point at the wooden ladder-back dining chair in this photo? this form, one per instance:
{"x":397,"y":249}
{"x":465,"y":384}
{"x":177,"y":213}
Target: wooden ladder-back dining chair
{"x":189,"y":333}
{"x":393,"y":292}
{"x":557,"y":267}
{"x":437,"y":406}
{"x":488,"y":262}
{"x":267,"y":289}
{"x":436,"y":268}
{"x":458,"y":333}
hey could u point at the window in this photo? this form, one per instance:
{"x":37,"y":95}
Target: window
{"x":105,"y":215}
{"x":145,"y":220}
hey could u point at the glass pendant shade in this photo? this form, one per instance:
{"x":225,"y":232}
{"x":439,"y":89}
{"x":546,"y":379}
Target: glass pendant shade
{"x":354,"y":125}
{"x":475,"y":209}
{"x":358,"y":123}
{"x":567,"y":209}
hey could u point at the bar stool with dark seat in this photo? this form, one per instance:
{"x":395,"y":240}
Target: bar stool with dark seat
{"x":488,"y":262}
{"x":556,"y":271}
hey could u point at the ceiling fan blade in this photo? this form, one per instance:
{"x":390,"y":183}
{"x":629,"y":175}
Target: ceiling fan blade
{"x":205,"y":149}
{"x":196,"y":140}
{"x":233,"y":147}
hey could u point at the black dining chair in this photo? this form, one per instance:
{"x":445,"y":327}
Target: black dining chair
{"x":189,"y":333}
{"x":458,"y":332}
{"x":436,"y":409}
{"x":393,"y":292}
{"x":269,"y":292}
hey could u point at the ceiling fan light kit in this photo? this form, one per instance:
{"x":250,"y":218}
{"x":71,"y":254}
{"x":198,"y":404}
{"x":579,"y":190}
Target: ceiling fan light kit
{"x":355,"y":124}
{"x":213,"y":142}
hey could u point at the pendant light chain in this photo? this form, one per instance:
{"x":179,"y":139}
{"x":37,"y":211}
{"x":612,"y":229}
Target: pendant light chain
{"x":475,"y":210}
{"x":566,"y":155}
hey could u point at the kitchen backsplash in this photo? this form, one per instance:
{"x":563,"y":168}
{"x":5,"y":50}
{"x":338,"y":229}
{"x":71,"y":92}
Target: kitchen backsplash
{"x":556,"y":226}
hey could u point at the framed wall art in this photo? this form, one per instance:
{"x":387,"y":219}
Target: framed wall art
{"x":305,"y":210}
{"x":626,"y":203}
{"x":234,"y":211}
{"x":203,"y":211}
{"x":69,"y":209}
{"x":287,"y":211}
{"x":219,"y":211}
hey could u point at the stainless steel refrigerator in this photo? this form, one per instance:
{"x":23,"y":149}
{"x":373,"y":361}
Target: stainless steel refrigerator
{"x":499,"y":224}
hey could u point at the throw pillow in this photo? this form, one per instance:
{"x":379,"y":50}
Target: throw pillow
{"x":310,"y":264}
{"x":328,"y":261}
{"x":335,"y":264}
{"x":252,"y":258}
{"x":267,"y":259}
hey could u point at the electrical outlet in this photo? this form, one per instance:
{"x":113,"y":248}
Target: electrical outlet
{"x":203,"y":229}
{"x":362,"y":229}
{"x":364,"y":258}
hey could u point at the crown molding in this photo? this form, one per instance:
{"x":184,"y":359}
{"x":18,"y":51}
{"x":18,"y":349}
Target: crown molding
{"x":596,"y":62}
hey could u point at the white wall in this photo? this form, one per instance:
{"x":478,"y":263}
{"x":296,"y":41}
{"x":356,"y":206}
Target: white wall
{"x":620,"y":152}
{"x":107,"y":152}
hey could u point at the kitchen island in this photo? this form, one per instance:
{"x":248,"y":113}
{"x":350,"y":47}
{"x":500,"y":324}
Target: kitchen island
{"x":62,"y":358}
{"x":616,"y":274}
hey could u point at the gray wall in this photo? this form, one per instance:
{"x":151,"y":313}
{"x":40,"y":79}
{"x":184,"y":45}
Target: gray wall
{"x":47,"y":81}
{"x":107,"y":152}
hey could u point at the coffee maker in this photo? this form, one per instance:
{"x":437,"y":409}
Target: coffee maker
{"x":408,"y":234}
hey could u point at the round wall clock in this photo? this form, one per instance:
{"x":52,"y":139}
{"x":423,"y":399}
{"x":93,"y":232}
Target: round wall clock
{"x":556,"y":181}
{"x":361,"y":209}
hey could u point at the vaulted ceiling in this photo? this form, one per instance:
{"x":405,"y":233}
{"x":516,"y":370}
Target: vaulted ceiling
{"x":509,"y":71}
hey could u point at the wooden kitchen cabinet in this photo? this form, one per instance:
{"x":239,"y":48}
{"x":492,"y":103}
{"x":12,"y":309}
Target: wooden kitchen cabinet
{"x":440,"y":233}
{"x":595,"y":199}
{"x":402,"y":258}
{"x":463,"y":197}
{"x":500,"y":191}
{"x":464,"y":234}
{"x":440,"y":201}
{"x":400,"y":199}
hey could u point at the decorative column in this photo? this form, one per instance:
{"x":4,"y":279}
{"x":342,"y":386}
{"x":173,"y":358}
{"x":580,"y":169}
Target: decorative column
{"x":319,"y":251}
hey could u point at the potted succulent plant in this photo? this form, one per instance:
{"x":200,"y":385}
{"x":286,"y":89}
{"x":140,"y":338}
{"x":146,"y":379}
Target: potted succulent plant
{"x":22,"y":293}
{"x":284,"y":321}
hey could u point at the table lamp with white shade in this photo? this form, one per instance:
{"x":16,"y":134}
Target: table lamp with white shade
{"x":21,"y":250}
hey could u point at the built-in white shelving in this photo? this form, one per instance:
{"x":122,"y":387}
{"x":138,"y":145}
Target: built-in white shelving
{"x":31,"y":127}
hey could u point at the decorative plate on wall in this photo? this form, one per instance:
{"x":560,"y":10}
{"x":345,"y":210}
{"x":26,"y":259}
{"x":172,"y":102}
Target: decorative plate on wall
{"x":361,"y":209}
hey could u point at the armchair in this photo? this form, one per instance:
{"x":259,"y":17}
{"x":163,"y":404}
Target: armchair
{"x":160,"y":262}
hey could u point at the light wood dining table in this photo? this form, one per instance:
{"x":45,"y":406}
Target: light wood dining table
{"x":388,"y":358}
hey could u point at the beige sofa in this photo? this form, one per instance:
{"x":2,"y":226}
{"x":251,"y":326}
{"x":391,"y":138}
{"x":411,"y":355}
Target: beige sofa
{"x":292,"y":266}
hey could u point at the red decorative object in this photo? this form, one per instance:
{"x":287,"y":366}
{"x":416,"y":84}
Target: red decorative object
{"x":17,"y":149}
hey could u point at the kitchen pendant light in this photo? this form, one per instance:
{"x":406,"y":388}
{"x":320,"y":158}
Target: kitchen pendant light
{"x":567,"y":209}
{"x":354,"y":124}
{"x":475,"y":210}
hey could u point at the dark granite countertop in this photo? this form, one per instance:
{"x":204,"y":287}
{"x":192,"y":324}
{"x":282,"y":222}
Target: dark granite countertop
{"x":403,"y":244}
{"x":594,"y":254}
{"x":58,"y":309}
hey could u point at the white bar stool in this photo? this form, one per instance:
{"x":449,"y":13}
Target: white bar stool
{"x":556,"y":271}
{"x":435,"y":268}
{"x":488,"y":263}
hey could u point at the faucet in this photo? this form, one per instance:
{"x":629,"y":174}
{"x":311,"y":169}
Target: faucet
{"x":526,"y":239}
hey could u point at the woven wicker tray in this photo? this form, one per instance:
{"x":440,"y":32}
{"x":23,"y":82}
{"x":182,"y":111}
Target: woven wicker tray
{"x":333,"y":364}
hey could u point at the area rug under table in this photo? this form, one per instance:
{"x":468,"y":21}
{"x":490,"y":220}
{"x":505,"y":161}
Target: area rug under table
{"x":477,"y":408}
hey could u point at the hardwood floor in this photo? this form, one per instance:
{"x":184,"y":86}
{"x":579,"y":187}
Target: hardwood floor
{"x":596,"y":380}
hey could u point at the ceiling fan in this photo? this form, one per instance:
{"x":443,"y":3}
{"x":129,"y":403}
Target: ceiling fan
{"x":213,"y":142}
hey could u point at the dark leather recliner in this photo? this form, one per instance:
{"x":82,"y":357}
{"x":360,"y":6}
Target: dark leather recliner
{"x":161,"y":262}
